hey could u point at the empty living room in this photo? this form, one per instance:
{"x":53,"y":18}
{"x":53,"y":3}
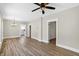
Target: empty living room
{"x":39,"y":29}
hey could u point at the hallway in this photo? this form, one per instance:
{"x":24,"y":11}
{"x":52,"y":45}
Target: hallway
{"x":32,"y":47}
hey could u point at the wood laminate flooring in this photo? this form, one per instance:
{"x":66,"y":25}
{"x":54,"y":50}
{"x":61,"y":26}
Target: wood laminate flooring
{"x":31,"y":47}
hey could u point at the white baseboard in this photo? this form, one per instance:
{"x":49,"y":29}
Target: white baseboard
{"x":40,"y":40}
{"x":36,"y":39}
{"x":10,"y":37}
{"x":45,"y":41}
{"x":69,"y":48}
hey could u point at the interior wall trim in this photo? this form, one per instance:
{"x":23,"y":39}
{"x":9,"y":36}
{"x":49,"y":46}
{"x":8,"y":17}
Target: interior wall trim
{"x":69,"y":48}
{"x":40,"y":40}
{"x":10,"y":37}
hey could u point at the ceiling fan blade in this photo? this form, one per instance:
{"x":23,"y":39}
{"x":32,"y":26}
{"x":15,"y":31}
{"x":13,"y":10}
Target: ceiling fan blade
{"x":43,"y":12}
{"x":37,"y":4}
{"x":35,"y":9}
{"x":48,"y":7}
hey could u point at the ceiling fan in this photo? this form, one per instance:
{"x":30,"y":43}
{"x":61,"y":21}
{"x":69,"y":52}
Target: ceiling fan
{"x":43,"y":6}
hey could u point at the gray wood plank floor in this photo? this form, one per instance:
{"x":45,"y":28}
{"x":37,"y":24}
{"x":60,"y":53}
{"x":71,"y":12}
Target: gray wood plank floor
{"x":31,"y":47}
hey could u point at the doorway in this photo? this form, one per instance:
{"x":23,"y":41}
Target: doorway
{"x":30,"y":31}
{"x":52,"y":32}
{"x":23,"y":30}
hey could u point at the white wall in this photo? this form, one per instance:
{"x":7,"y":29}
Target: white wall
{"x":11,"y":31}
{"x":0,"y":34}
{"x":51,"y":30}
{"x":1,"y":30}
{"x":35,"y":29}
{"x":68,"y":28}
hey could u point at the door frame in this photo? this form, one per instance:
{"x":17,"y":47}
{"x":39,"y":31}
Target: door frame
{"x":29,"y":31}
{"x":53,"y":20}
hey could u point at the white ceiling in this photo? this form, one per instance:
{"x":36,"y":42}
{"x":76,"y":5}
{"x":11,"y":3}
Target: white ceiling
{"x":23,"y":11}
